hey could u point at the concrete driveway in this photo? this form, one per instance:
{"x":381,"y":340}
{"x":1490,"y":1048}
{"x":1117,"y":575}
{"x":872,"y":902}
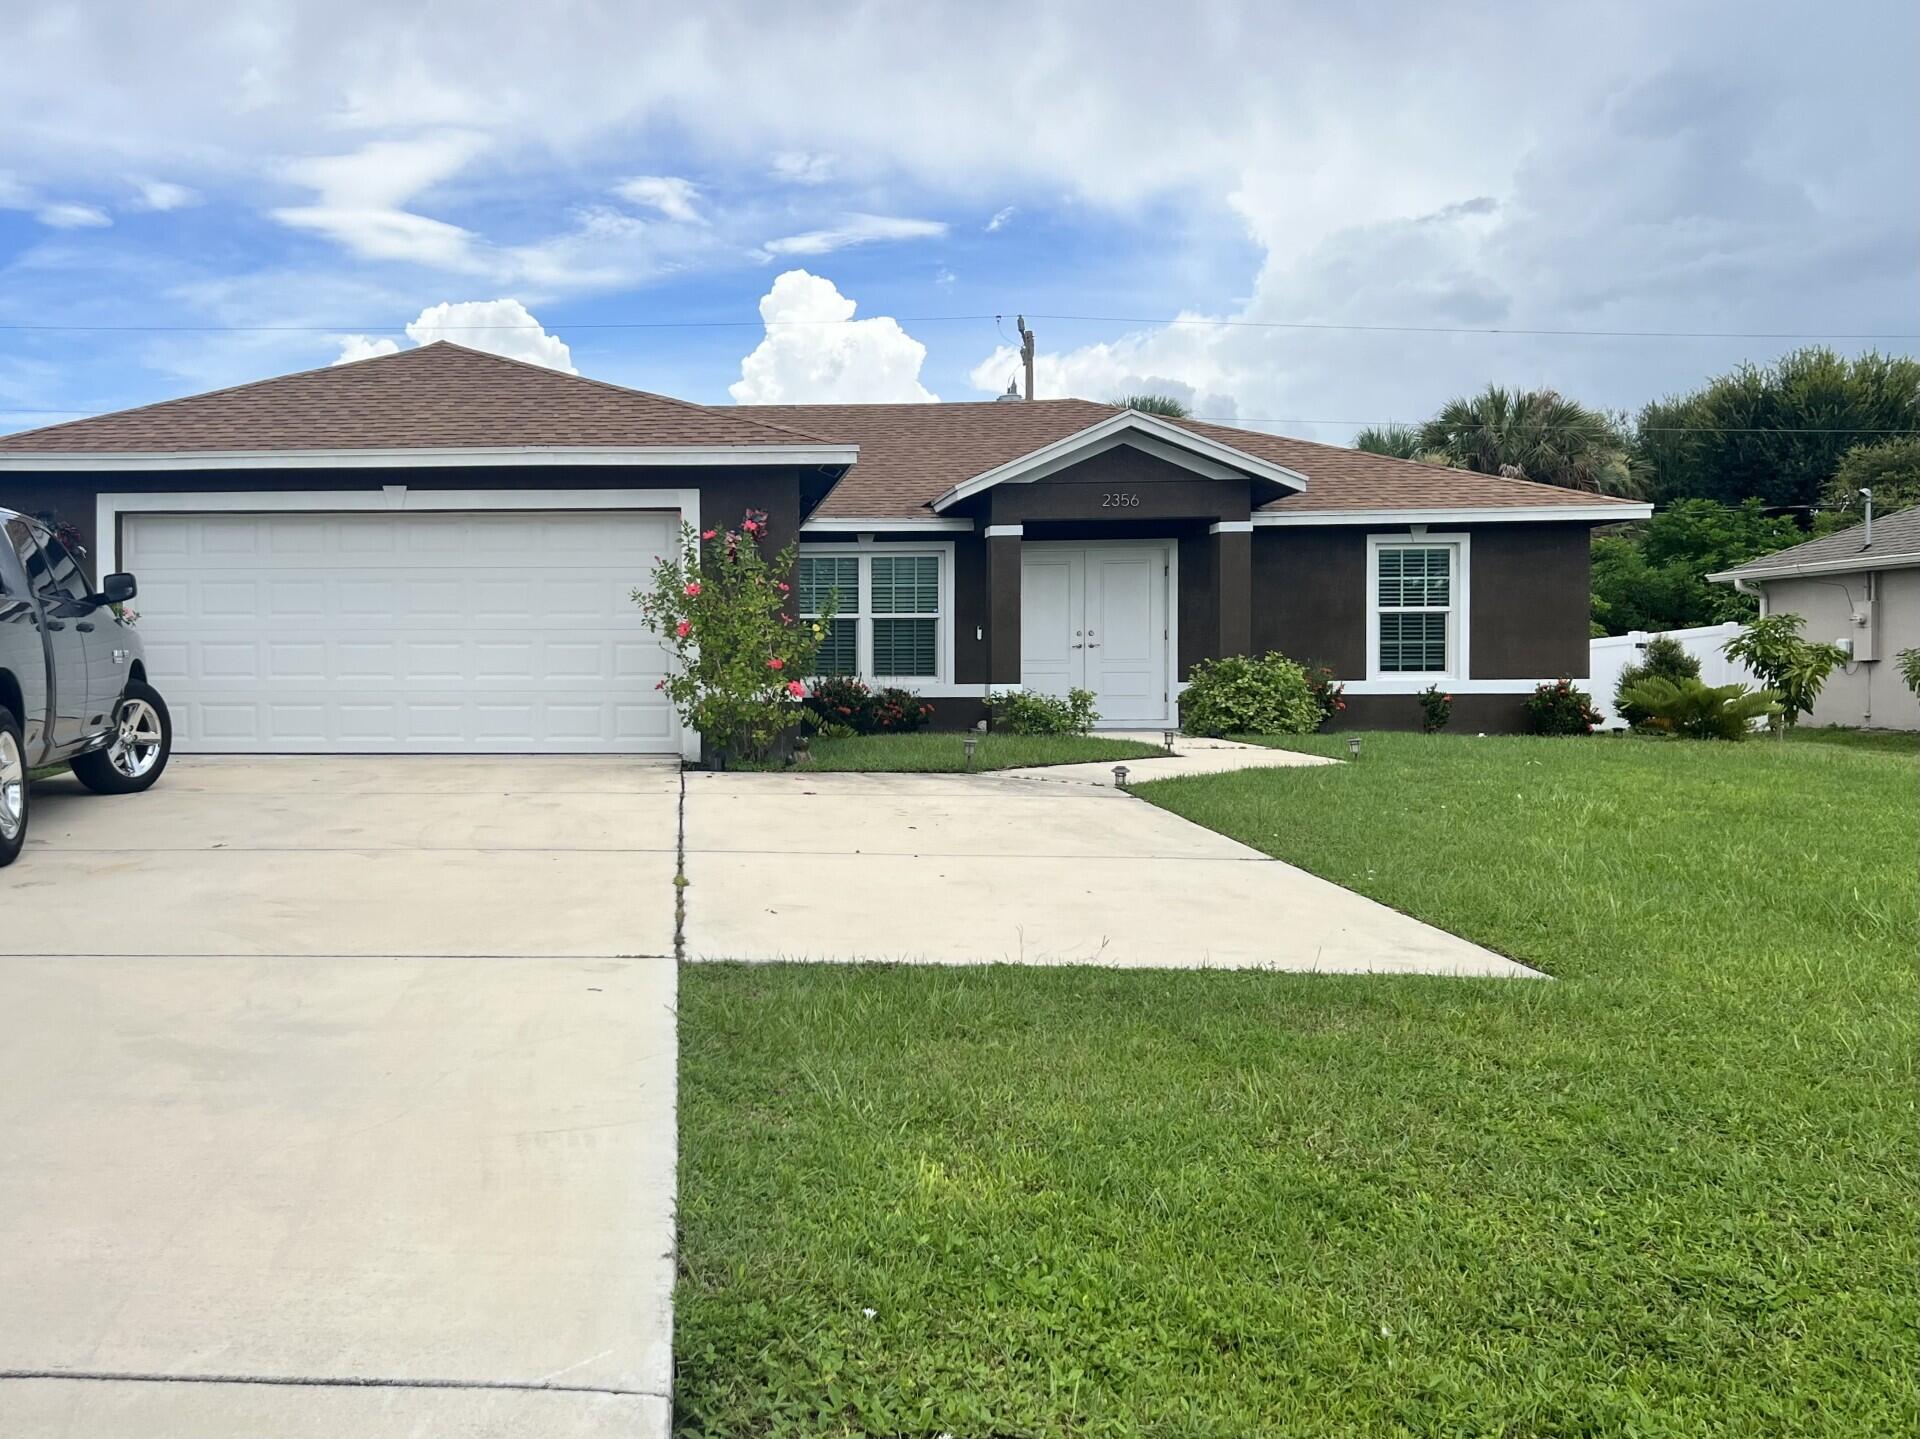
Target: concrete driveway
{"x":336,"y":1098}
{"x":1025,"y":868}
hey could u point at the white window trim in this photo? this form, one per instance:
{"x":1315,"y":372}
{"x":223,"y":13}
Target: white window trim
{"x":1459,"y":664}
{"x":108,"y":508}
{"x":942,"y":685}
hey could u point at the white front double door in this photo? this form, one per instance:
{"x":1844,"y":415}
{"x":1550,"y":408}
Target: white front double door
{"x":1095,"y":617}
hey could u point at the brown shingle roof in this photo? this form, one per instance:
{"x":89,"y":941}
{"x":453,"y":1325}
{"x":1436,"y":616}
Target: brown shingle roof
{"x":1896,"y":540}
{"x":910,"y":455}
{"x":435,"y":396}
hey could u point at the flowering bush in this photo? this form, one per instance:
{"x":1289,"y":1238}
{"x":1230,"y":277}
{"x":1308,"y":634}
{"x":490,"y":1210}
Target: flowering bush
{"x":1327,"y":692}
{"x":1435,"y":709}
{"x":847,"y":702}
{"x":738,"y":655}
{"x":1559,"y":708}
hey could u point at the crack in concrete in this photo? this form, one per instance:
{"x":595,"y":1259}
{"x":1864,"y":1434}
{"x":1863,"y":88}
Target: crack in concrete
{"x":300,"y":1381}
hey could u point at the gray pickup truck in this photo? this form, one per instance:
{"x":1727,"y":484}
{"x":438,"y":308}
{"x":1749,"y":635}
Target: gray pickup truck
{"x":73,"y":678}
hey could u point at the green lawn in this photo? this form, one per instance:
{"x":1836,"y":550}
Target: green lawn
{"x":1887,"y":741}
{"x":922,"y":753}
{"x":1673,"y":1193}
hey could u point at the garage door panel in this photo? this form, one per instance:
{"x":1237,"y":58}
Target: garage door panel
{"x":505,"y":632}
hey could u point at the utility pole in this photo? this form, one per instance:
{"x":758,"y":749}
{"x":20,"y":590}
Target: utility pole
{"x":1026,"y":351}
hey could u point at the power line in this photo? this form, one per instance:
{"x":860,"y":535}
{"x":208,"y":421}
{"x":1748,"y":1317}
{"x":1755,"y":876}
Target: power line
{"x":1157,"y":321}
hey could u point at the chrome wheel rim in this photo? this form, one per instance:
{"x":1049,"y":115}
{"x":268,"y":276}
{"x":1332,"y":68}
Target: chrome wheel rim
{"x":13,"y":787}
{"x":136,"y":741}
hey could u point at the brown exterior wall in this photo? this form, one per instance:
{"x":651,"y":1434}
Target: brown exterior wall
{"x":725,"y":495}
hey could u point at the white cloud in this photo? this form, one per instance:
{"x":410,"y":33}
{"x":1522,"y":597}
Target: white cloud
{"x":816,"y":352}
{"x":855,"y":230}
{"x":670,"y":195}
{"x":70,"y":215}
{"x":503,"y":327}
{"x":364,"y":347}
{"x":362,"y":194}
{"x":163,"y":195}
{"x":1000,"y":218}
{"x":798,"y":167}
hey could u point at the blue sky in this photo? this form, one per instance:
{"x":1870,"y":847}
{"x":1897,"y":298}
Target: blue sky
{"x":312,"y":179}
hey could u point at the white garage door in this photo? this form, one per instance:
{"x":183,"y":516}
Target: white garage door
{"x":504,"y":631}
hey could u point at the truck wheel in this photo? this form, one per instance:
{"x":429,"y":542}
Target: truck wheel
{"x":13,"y":788}
{"x":142,"y":743}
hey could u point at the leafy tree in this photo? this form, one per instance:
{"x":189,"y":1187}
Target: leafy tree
{"x":1155,"y":405}
{"x":1778,"y":432}
{"x":1533,"y":435}
{"x":1909,"y":662}
{"x":1890,"y":468}
{"x":1793,"y":668}
{"x":1653,"y":575}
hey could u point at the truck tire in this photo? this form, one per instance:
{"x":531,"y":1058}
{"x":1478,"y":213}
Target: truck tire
{"x":14,"y":789}
{"x":142,"y":744}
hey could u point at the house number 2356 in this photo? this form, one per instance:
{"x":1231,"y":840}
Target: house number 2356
{"x":1117,"y":500}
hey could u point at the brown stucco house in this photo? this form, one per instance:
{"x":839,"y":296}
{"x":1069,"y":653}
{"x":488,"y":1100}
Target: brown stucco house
{"x":433,"y":551}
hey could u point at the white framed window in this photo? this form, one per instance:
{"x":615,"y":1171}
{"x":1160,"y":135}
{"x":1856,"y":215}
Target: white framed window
{"x":1417,"y":591}
{"x":893,"y":620}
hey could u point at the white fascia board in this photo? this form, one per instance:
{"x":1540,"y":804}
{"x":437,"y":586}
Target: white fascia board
{"x":1906,"y":561}
{"x":1486,"y":514}
{"x":437,"y":457}
{"x":918,"y":524}
{"x":1414,"y":684}
{"x":1173,"y":442}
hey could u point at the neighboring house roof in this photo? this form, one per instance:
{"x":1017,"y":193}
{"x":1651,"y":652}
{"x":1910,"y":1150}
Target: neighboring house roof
{"x":1896,"y":545}
{"x":913,"y":454}
{"x":434,"y":396}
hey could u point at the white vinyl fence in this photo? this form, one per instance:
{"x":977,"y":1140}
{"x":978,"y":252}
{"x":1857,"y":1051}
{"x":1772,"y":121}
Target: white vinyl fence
{"x":1607,"y":657}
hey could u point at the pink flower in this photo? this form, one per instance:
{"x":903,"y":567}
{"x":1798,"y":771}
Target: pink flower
{"x":708,"y":534}
{"x":683,"y":629}
{"x":781,"y":587}
{"x":750,"y":527}
{"x":776,"y":663}
{"x":694,"y":588}
{"x":796,"y":689}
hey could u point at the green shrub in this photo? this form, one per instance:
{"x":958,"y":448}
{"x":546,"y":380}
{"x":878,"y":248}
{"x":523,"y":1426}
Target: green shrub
{"x":1559,"y":708}
{"x":1245,"y":694}
{"x":1025,"y":712}
{"x":1693,"y":709}
{"x":898,"y":711}
{"x":1793,"y":668}
{"x":1663,"y":657}
{"x":1436,"y":708}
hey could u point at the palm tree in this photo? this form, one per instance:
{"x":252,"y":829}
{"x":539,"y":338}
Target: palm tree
{"x":1400,"y":441}
{"x":1533,"y":435}
{"x":1154,"y":405}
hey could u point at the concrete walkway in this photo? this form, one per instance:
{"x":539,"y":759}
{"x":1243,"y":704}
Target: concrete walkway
{"x":1026,"y":868}
{"x":337,"y":1098}
{"x":1190,"y":756}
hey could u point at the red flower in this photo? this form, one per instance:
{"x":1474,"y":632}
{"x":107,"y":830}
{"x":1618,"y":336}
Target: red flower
{"x":796,"y":689}
{"x":750,"y":527}
{"x":781,"y":587}
{"x":708,"y":534}
{"x":683,"y":629}
{"x":776,"y":663}
{"x":694,"y":588}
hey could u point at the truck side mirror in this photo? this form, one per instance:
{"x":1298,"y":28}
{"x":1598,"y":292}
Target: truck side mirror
{"x":116,"y":590}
